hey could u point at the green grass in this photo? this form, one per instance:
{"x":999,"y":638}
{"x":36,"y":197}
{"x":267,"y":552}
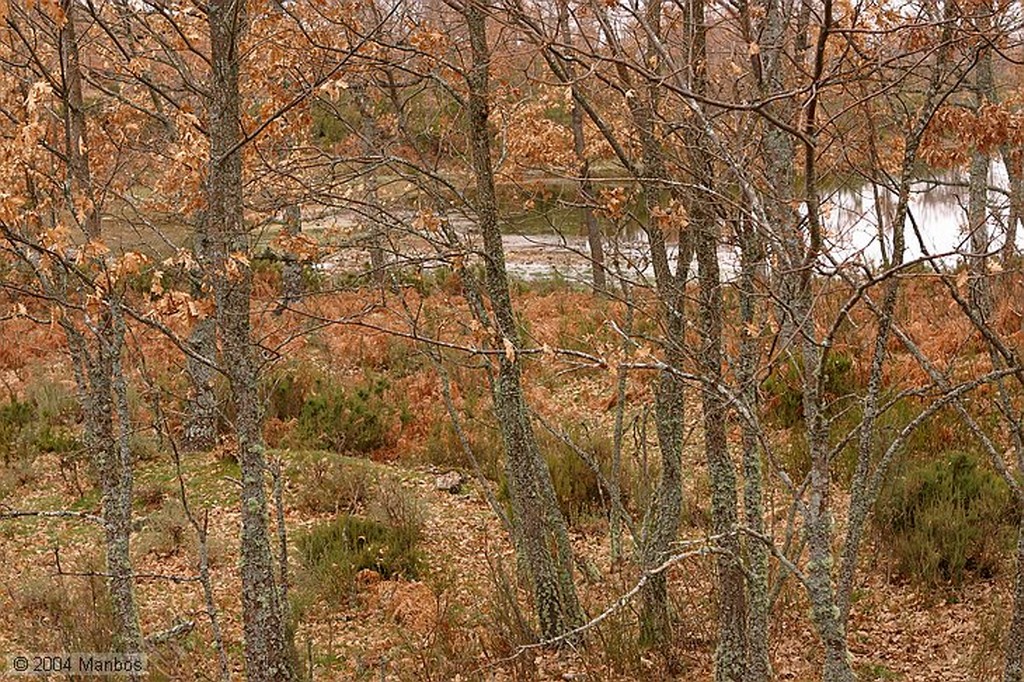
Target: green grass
{"x":333,"y":554}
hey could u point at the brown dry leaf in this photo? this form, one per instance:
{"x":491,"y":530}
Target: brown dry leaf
{"x":510,"y":350}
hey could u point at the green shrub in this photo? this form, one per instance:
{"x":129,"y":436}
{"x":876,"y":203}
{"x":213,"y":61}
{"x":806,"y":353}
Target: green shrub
{"x":784,"y":388}
{"x":443,"y":448}
{"x":56,"y":440}
{"x":945,"y":518}
{"x":576,"y":484}
{"x":287,"y":389}
{"x":342,"y":419}
{"x":28,"y":427}
{"x":15,"y":416}
{"x":333,"y":554}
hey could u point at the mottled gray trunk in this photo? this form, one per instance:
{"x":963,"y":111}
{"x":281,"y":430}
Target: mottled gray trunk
{"x":263,"y":627}
{"x":1014,"y":667}
{"x":201,"y":419}
{"x":100,"y":378}
{"x":586,"y":194}
{"x":730,"y":654}
{"x":585,"y":184}
{"x":758,"y":664}
{"x":543,"y":542}
{"x":102,"y":394}
{"x":977,"y":210}
{"x":373,"y":223}
{"x":117,"y":498}
{"x":201,"y":410}
{"x":661,"y":522}
{"x":768,"y":66}
{"x":80,"y":173}
{"x":818,"y":509}
{"x":617,"y":513}
{"x":818,"y":530}
{"x":977,"y":219}
{"x":292,"y":284}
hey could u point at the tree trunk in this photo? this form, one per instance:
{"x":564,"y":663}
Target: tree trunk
{"x":977,"y":210}
{"x":201,"y":413}
{"x":818,"y":525}
{"x":535,"y":509}
{"x":74,"y":125}
{"x":1014,"y":667}
{"x":730,"y":655}
{"x":117,"y":497}
{"x":374,"y":224}
{"x":585,"y":185}
{"x":292,"y":286}
{"x":101,"y":379}
{"x":1015,"y":171}
{"x":263,"y":627}
{"x":758,"y":664}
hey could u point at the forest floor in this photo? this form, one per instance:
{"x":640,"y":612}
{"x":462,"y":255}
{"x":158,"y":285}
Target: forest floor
{"x":457,"y":620}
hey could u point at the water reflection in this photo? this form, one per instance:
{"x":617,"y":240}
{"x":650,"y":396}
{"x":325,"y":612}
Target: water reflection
{"x":938,"y":207}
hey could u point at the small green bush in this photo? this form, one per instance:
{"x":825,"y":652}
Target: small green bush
{"x":784,"y":388}
{"x":576,"y":484}
{"x":28,"y":427}
{"x":57,"y":440}
{"x":288,"y":388}
{"x":343,"y":419}
{"x":945,"y":518}
{"x":333,"y":554}
{"x":15,"y":416}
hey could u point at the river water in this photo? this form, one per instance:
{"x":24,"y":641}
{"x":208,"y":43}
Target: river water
{"x":938,"y":208}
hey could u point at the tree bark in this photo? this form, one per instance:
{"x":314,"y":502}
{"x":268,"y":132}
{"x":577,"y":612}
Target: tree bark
{"x":1013,"y":670}
{"x":542,"y":540}
{"x":730,"y":654}
{"x":585,"y":184}
{"x":758,"y":664}
{"x":977,"y":210}
{"x":661,"y":524}
{"x":101,"y":379}
{"x":201,"y":413}
{"x":266,"y":656}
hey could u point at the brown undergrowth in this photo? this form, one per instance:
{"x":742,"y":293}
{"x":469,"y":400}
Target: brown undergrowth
{"x":355,"y":412}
